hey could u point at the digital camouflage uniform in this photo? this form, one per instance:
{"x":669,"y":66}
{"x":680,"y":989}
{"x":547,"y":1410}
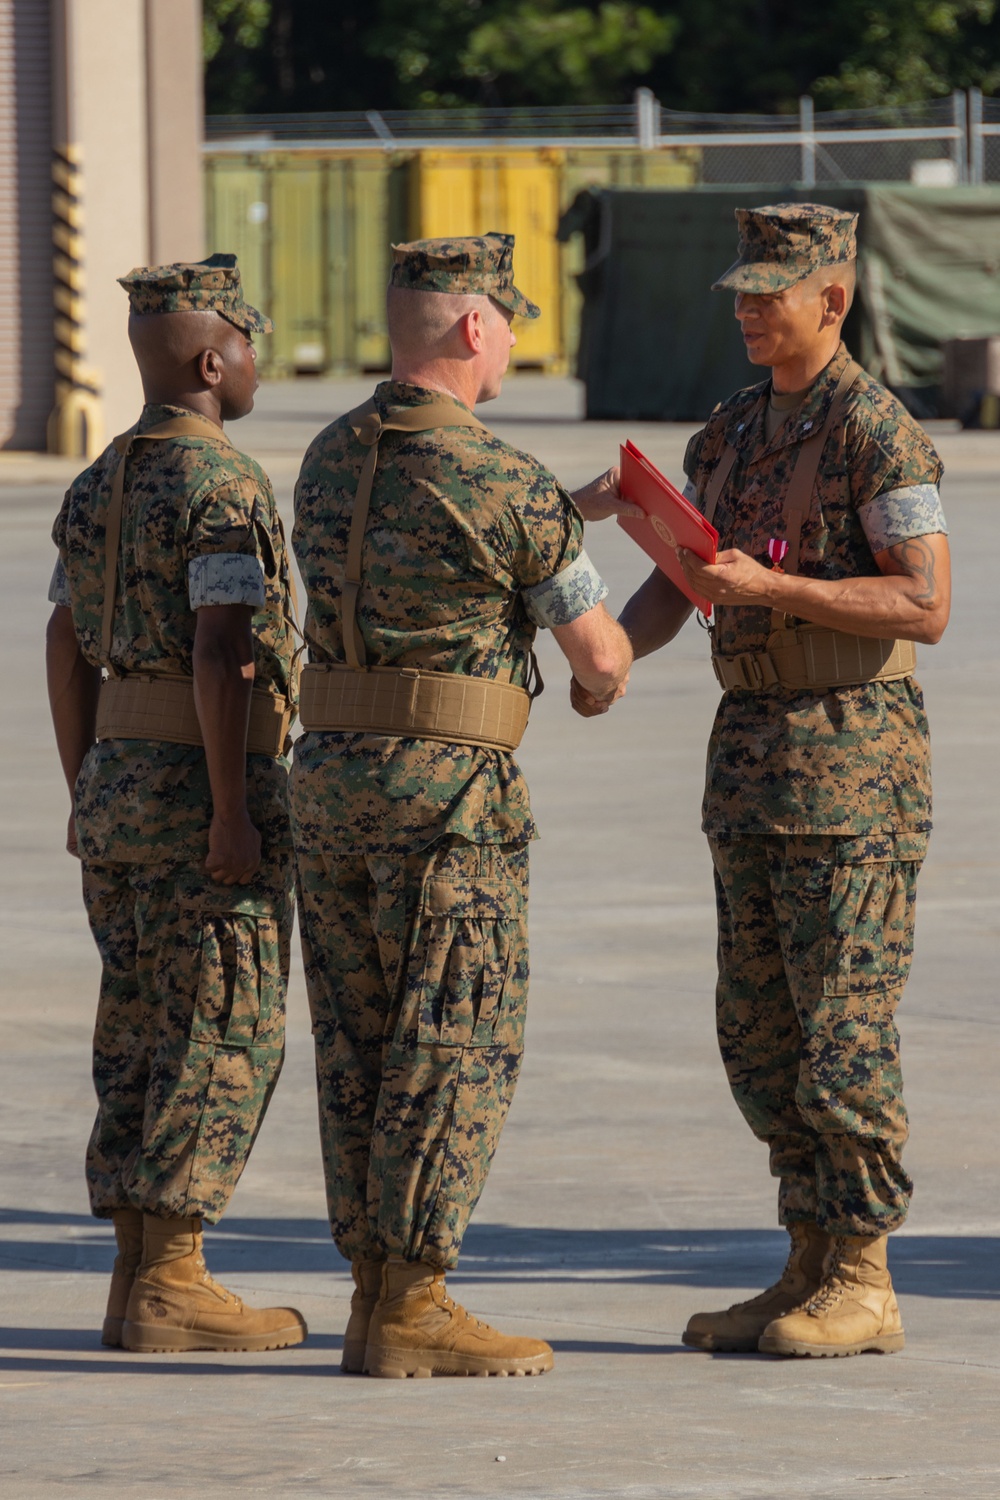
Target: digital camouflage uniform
{"x":190,"y":1023}
{"x":817,"y":804}
{"x":412,"y":855}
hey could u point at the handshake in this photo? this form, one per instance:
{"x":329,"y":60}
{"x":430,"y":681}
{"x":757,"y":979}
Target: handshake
{"x":601,"y":672}
{"x":588,"y":705}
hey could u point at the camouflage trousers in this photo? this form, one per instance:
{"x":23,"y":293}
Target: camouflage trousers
{"x":815,"y":943}
{"x":417,"y":970}
{"x":190,"y":1031}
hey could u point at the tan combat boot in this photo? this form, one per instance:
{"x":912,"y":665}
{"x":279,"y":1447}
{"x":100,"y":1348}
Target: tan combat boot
{"x":854,"y":1312}
{"x":175,"y":1304}
{"x":128,"y":1237}
{"x":416,"y":1329}
{"x":367,"y":1285}
{"x":737,"y":1329}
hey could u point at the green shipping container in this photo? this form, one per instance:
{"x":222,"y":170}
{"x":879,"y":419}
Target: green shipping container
{"x":312,"y":233}
{"x":622,"y":167}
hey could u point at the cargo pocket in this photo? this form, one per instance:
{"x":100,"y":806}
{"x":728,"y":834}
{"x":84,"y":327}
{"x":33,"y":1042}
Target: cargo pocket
{"x":465,"y":975}
{"x":861,"y":897}
{"x":239,"y":997}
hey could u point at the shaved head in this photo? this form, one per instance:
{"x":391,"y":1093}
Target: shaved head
{"x":845,"y":275}
{"x":163,"y":342}
{"x":188,"y":358}
{"x":459,"y":343}
{"x":424,"y":325}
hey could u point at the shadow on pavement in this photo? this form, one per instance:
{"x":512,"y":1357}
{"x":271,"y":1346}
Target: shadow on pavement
{"x":946,"y":1266}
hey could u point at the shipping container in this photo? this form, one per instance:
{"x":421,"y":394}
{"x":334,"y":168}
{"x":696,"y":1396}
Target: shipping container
{"x":312,"y":233}
{"x":610,"y":168}
{"x":513,"y":192}
{"x":312,"y":229}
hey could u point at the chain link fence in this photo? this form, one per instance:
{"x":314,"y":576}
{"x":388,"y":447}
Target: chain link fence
{"x":938,"y":143}
{"x":914,"y":143}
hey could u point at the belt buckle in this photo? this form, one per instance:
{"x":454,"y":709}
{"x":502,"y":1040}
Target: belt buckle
{"x":750,"y":670}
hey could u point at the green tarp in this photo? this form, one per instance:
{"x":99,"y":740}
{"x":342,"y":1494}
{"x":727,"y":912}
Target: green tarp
{"x":657,"y":344}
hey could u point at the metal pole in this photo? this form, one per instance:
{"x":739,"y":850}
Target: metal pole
{"x":959,"y":114}
{"x":977,"y":140}
{"x":807,"y":169}
{"x":647,"y":108}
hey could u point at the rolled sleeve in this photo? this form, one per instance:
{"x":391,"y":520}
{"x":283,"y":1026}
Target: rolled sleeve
{"x":225,"y":578}
{"x":898,"y":515}
{"x":59,"y":587}
{"x":565,"y":596}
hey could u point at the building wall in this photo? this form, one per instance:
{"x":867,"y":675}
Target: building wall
{"x":26,"y":337}
{"x":108,"y":82}
{"x":118,"y":82}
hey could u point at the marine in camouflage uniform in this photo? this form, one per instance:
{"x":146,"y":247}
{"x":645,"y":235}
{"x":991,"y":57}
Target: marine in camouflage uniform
{"x":189,"y":1037}
{"x":412,"y":854}
{"x":817,"y":803}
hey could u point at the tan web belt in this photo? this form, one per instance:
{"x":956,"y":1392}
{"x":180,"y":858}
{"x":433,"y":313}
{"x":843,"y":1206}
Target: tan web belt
{"x":815,"y":658}
{"x":161,"y":707}
{"x":427,"y":705}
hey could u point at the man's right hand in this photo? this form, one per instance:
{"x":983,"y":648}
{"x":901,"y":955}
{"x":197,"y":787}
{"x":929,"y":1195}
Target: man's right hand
{"x":602,"y":497}
{"x":589,"y":705}
{"x":233,"y":850}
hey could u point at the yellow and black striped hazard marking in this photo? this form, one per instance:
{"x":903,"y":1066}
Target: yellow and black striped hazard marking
{"x":76,"y":424}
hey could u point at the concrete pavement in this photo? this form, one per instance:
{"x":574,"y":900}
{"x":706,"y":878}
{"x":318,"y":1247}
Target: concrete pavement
{"x":626,"y":1193}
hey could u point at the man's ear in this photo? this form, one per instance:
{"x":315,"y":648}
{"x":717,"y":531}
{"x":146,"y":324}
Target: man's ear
{"x":836,"y":303}
{"x":474,"y":329}
{"x":211,"y":367}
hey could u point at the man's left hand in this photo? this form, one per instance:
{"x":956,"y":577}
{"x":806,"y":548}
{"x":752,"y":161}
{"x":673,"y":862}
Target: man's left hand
{"x":602,"y":498}
{"x":734,"y":578}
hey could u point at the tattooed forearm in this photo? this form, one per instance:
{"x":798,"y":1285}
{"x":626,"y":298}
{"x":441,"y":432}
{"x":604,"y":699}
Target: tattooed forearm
{"x":915,"y":558}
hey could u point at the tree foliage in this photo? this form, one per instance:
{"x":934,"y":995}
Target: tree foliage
{"x":702,"y":55}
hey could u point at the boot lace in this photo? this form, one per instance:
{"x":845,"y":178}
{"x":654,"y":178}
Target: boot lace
{"x":207,"y":1279}
{"x":453,"y":1307}
{"x":832,"y":1287}
{"x":783,"y":1280}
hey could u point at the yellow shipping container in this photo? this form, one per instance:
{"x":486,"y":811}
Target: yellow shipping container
{"x":514,"y":192}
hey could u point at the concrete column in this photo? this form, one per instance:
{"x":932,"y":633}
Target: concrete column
{"x":174,"y":113}
{"x":109,"y":81}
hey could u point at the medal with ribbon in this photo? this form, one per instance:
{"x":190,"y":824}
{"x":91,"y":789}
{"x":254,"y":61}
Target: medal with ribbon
{"x":776,"y":549}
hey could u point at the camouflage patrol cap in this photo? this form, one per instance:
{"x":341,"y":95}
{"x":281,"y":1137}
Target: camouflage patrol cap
{"x":782,"y":243}
{"x":211,"y":285}
{"x":479,"y":266}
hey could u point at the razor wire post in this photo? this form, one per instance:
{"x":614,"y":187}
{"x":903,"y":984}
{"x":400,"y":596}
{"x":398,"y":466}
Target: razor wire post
{"x":807,"y":170}
{"x":647,"y":109}
{"x":977,"y":141}
{"x":960,"y":142}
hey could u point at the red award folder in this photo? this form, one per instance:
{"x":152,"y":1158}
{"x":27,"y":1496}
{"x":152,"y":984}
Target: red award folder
{"x":670,"y":521}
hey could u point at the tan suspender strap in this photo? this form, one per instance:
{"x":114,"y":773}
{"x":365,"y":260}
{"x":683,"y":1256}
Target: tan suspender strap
{"x":804,"y":655}
{"x":369,"y":427}
{"x":161,"y":706}
{"x":720,"y":474}
{"x":189,"y":426}
{"x":798,"y":498}
{"x":442,"y":706}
